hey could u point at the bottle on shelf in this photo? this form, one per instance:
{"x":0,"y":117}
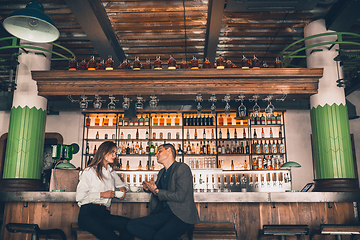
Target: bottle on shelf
{"x":229,"y":120}
{"x":271,"y":133}
{"x":223,"y":149}
{"x":155,"y":121}
{"x":97,"y":135}
{"x":146,"y":134}
{"x":147,"y":149}
{"x":120,"y":164}
{"x":245,"y":63}
{"x":266,"y":147}
{"x":127,"y":165}
{"x":137,"y":148}
{"x":278,"y":119}
{"x":105,"y":121}
{"x":204,"y":134}
{"x":277,"y":146}
{"x":87,"y":150}
{"x":258,"y":120}
{"x":244,"y":134}
{"x":212,"y":134}
{"x":282,"y":147}
{"x":195,"y":134}
{"x":255,"y":134}
{"x":152,"y":149}
{"x":235,"y":134}
{"x":152,"y":165}
{"x":140,"y":166}
{"x":247,"y":148}
{"x":137,"y":134}
{"x":87,"y":121}
{"x":141,"y":149}
{"x":280,"y":133}
{"x":274,"y":147}
{"x":168,"y":121}
{"x":262,"y":119}
{"x":221,"y":120}
{"x":232,"y":165}
{"x":220,"y":134}
{"x":146,"y":123}
{"x":177,"y":121}
{"x":262,"y":133}
{"x":97,"y":121}
{"x":109,"y":63}
{"x":136,"y":122}
{"x":82,"y":65}
{"x":161,"y":121}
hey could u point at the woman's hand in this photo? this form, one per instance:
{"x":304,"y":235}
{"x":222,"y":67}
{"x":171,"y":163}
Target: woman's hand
{"x":108,"y":194}
{"x":123,"y":189}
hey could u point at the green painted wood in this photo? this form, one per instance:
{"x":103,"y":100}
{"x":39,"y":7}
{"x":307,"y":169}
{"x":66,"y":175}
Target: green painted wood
{"x":331,"y":142}
{"x":25,"y":143}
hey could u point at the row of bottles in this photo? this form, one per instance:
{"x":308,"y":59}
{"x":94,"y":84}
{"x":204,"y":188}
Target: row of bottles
{"x":140,"y":167}
{"x":105,"y":121}
{"x":263,"y":119}
{"x":220,"y":63}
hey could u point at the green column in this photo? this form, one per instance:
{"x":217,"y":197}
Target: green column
{"x":331,"y":142}
{"x":25,"y":143}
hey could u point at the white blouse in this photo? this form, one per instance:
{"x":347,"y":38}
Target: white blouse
{"x":89,"y":186}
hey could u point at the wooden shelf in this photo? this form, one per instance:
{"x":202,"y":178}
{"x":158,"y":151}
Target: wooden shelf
{"x":300,"y":82}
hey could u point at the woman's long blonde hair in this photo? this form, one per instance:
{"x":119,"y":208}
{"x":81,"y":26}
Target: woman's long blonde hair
{"x":98,"y":161}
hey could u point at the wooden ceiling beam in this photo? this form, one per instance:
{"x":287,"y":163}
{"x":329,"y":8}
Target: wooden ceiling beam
{"x":93,"y":19}
{"x":213,"y":27}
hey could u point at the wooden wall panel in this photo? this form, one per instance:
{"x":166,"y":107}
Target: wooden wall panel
{"x":247,"y":217}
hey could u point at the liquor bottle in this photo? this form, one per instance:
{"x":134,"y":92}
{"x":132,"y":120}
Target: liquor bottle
{"x":274,"y":147}
{"x":235,"y":134}
{"x":91,"y":65}
{"x":128,"y":149}
{"x":141,"y":150}
{"x":161,"y":136}
{"x":168,"y":121}
{"x":87,"y":150}
{"x":136,"y":122}
{"x":137,"y":134}
{"x":105,"y":121}
{"x":137,"y":148}
{"x":264,"y":163}
{"x":194,"y":63}
{"x":122,"y":135}
{"x":247,"y":148}
{"x":223,"y":149}
{"x":208,"y":146}
{"x":109,"y":63}
{"x":73,"y":65}
{"x":82,"y":65}
{"x":268,"y":120}
{"x":147,"y":120}
{"x":229,"y":64}
{"x":188,"y":150}
{"x":147,"y":165}
{"x":114,"y":121}
{"x":269,"y":163}
{"x":123,"y":149}
{"x":206,"y":63}
{"x":136,"y":64}
{"x":126,"y":122}
{"x":271,"y":133}
{"x":205,"y":148}
{"x":155,"y":121}
{"x":188,"y":134}
{"x":227,"y":150}
{"x":264,"y":65}
{"x":273,"y":119}
{"x":140,"y":166}
{"x":141,"y":121}
{"x":120,"y":121}
{"x":152,"y":149}
{"x":120,"y":164}
{"x":198,"y":121}
{"x":278,"y":119}
{"x":106,"y":136}
{"x":242,"y":149}
{"x":147,"y":134}
{"x":227,"y":134}
{"x":220,"y":62}
{"x":244,"y":134}
{"x":257,"y":147}
{"x":204,"y":134}
{"x":220,"y":134}
{"x":282,"y":147}
{"x":124,"y":65}
{"x":147,"y":149}
{"x":277,"y":63}
{"x":184,"y":64}
{"x":195,"y":134}
{"x":277,"y":146}
{"x":266,"y":147}
{"x":177,"y":135}
{"x":177,"y":121}
{"x":169,"y":135}
{"x":87,"y":121}
{"x":229,"y":120}
{"x":154,"y":135}
{"x":147,"y":64}
{"x":262,"y":119}
{"x":97,"y":135}
{"x":255,"y":62}
{"x":261,"y":147}
{"x":219,"y":166}
{"x":221,"y":120}
{"x":158,"y":63}
{"x":232,"y":165}
{"x":254,"y":135}
{"x":192,"y":149}
{"x":252,"y":120}
{"x":219,"y":148}
{"x":161,"y":121}
{"x":97,"y":121}
{"x":212,"y":134}
{"x":262,"y":133}
{"x":171,"y":62}
{"x":185,"y":148}
{"x":179,"y":151}
{"x":245,"y":63}
{"x":280,"y":133}
{"x":258,"y":120}
{"x":127,"y":165}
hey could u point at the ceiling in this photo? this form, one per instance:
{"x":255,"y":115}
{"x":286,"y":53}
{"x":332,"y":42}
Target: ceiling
{"x":183,"y":28}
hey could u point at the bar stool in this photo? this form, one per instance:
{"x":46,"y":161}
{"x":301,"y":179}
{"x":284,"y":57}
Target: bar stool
{"x":337,"y":230}
{"x":35,"y":230}
{"x":284,"y":230}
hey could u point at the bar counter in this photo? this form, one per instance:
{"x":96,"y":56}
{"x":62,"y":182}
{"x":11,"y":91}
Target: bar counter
{"x":200,"y":197}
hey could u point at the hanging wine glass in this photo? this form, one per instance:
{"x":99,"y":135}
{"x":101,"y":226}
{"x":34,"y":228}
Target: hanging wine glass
{"x":213,"y":107}
{"x":98,"y":103}
{"x":270,"y":108}
{"x":241,"y":109}
{"x":198,"y":108}
{"x":126,"y":103}
{"x":198,"y":99}
{"x":256,"y":107}
{"x":83,"y":103}
{"x":139,"y":104}
{"x":227,"y":106}
{"x":111,"y":105}
{"x":153,"y":101}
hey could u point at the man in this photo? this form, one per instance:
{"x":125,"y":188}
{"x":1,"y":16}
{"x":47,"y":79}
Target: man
{"x":172,"y":206}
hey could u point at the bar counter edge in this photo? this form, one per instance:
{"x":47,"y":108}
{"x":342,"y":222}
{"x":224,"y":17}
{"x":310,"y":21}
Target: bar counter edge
{"x":216,"y":197}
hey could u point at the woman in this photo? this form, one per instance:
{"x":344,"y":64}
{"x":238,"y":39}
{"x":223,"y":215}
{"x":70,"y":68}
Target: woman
{"x":96,"y":187}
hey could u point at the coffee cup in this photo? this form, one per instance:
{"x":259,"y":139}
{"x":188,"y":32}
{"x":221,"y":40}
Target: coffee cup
{"x":119,"y":194}
{"x":134,"y":188}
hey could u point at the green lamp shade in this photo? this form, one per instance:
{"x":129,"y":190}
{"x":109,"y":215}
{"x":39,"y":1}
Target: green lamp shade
{"x":32,"y":24}
{"x":65,"y":165}
{"x":290,"y":164}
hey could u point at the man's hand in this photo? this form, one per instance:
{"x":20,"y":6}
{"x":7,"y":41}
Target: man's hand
{"x":108,"y":194}
{"x":150,"y":186}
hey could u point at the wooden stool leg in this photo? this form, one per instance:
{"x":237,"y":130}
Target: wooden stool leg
{"x":282,"y":237}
